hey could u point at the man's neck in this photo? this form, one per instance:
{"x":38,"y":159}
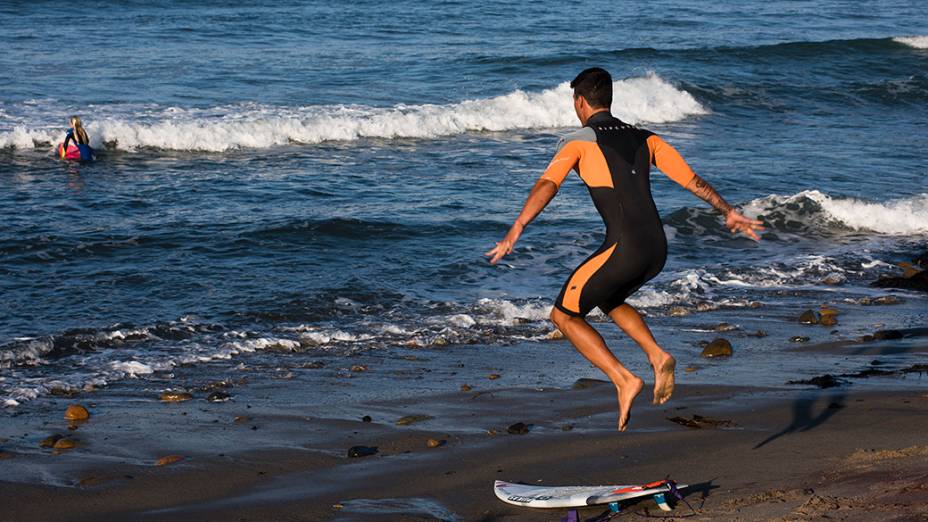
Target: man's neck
{"x":593,"y":114}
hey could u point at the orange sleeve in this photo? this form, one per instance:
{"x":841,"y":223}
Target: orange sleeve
{"x":565,"y":159}
{"x":669,"y":161}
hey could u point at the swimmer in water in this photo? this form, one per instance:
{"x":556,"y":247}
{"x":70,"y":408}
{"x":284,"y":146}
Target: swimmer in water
{"x":77,"y":134}
{"x":614,"y":159}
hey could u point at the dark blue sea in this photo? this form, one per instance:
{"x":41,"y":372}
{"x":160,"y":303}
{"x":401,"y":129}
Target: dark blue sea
{"x":296,"y":188}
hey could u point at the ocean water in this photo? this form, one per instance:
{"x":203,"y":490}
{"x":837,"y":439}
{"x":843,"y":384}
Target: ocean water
{"x":280,"y":183}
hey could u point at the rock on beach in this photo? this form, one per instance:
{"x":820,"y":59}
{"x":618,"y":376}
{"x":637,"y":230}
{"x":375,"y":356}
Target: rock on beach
{"x":76,"y":412}
{"x":718,"y":348}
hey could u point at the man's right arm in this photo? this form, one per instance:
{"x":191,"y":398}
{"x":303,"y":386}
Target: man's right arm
{"x":541,"y":194}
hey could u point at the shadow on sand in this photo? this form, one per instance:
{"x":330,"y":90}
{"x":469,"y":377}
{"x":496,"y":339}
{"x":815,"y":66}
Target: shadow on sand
{"x":804,"y":418}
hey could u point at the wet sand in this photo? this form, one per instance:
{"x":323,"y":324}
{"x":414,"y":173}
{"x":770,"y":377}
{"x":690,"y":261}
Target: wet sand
{"x":787,"y":454}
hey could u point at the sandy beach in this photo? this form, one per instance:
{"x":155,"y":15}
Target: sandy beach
{"x":774,"y":454}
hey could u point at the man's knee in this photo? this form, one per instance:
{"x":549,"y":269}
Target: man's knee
{"x":559,"y":318}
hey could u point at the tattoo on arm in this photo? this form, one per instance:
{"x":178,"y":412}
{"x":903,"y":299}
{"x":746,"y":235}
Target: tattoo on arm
{"x":704,"y":191}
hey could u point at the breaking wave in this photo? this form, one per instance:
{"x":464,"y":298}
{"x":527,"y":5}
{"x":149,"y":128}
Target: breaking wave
{"x":647,"y":98}
{"x":918,"y":42}
{"x":815,"y":212}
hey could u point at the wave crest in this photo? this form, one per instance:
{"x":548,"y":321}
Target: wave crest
{"x":648,"y":98}
{"x":918,"y":42}
{"x":814,"y":212}
{"x":904,"y":216}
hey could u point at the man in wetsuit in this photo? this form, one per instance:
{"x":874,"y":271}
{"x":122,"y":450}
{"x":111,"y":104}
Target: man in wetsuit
{"x":614,"y":160}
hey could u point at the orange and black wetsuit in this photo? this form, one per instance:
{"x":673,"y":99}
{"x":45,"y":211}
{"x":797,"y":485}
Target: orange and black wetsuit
{"x":614,"y":160}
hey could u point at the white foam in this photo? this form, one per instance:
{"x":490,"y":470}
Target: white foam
{"x":392,"y":329}
{"x":462,"y":320}
{"x":25,"y":351}
{"x":651,"y":298}
{"x":918,"y":42}
{"x":648,"y":98}
{"x":508,"y":313}
{"x":262,"y":343}
{"x":131,"y":368}
{"x":323,"y":337}
{"x":893,"y":217}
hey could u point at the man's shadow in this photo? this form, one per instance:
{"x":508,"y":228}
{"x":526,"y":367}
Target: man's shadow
{"x":803,"y":417}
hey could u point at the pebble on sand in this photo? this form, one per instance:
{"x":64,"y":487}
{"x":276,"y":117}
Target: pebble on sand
{"x":64,"y":443}
{"x":218,"y":396}
{"x":466,"y":387}
{"x":822,"y":381}
{"x":76,"y":412}
{"x":367,"y":418}
{"x":359,"y":368}
{"x":555,"y":335}
{"x":724,"y":327}
{"x":493,"y":376}
{"x":410,"y":419}
{"x":519,"y":428}
{"x":361,"y":451}
{"x":887,"y":300}
{"x":434,"y":443}
{"x":718,"y":348}
{"x":798,"y":339}
{"x":828,"y":320}
{"x":169,"y":459}
{"x":49,"y":442}
{"x":808,"y":317}
{"x":690,"y":369}
{"x":62,"y":392}
{"x":175,"y":396}
{"x":699,"y":422}
{"x":887,"y":335}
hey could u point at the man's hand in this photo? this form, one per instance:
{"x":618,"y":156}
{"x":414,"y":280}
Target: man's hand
{"x":738,"y":223}
{"x":504,"y":247}
{"x":542,"y":193}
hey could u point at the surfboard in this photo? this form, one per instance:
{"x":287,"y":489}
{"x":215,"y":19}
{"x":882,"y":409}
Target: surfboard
{"x":75,"y":152}
{"x":577,"y":496}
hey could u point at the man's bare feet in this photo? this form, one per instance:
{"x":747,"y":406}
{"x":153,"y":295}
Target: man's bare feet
{"x":663,"y":379}
{"x":627,"y":393}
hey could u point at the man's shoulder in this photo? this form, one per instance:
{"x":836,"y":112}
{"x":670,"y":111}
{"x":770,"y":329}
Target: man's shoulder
{"x":581,"y":134}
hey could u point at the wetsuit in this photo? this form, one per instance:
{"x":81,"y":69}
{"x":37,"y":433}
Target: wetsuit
{"x":84,"y":148}
{"x":614,"y":160}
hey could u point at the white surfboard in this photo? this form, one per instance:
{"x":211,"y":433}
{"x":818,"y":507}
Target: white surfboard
{"x":575,"y":496}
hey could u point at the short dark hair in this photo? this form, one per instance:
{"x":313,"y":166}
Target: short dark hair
{"x":595,"y":85}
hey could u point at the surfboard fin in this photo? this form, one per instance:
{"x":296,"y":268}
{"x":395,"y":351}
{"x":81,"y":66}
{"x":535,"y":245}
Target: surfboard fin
{"x":662,"y":502}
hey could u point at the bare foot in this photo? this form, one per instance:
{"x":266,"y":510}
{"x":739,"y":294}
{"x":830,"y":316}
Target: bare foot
{"x":663,"y":379}
{"x":627,"y":393}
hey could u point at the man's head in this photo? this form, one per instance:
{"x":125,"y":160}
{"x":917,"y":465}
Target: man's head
{"x":592,"y":92}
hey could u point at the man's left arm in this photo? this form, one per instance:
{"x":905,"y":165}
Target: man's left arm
{"x":666,"y":158}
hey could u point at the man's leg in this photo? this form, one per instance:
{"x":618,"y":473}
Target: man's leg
{"x":591,"y":345}
{"x":630,"y":321}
